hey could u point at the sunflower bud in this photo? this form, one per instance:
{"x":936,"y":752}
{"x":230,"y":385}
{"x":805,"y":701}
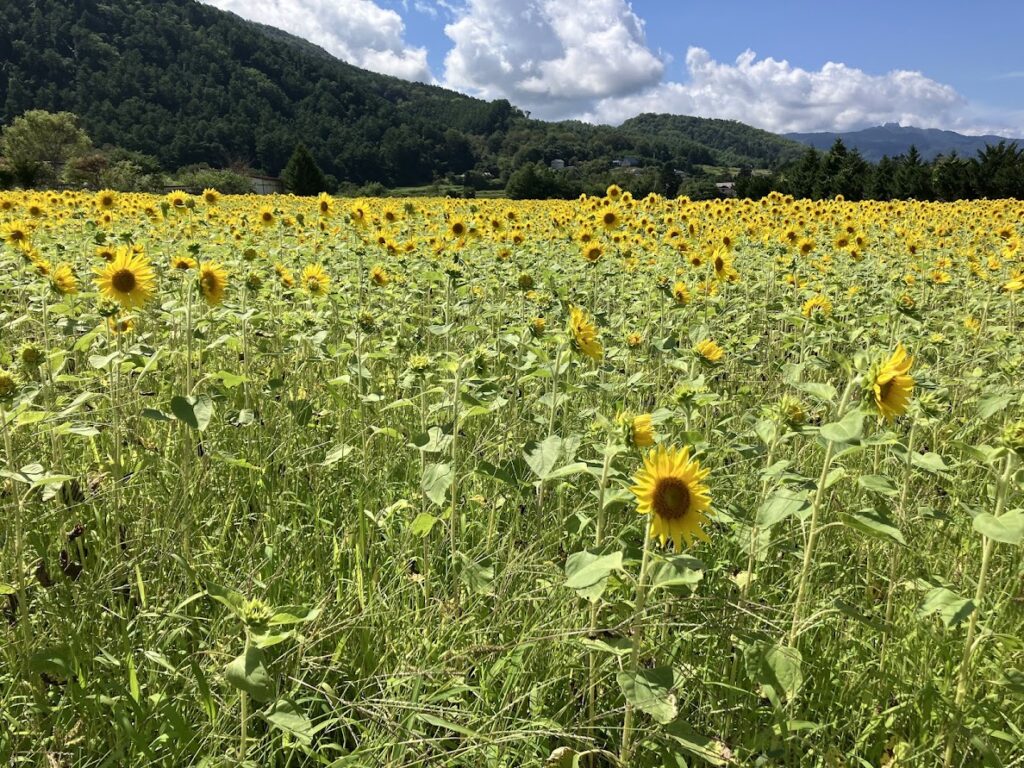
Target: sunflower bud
{"x":1013,"y":437}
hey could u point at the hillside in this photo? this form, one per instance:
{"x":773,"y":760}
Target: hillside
{"x":893,"y":139}
{"x":188,"y":83}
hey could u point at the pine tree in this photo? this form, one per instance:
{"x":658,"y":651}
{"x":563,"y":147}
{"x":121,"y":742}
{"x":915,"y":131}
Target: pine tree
{"x":302,"y":176}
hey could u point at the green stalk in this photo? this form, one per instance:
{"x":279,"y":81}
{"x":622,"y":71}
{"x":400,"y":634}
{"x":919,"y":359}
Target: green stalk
{"x":812,"y":534}
{"x":979,"y":595}
{"x":890,"y":599}
{"x":453,"y":521}
{"x":636,"y":628}
{"x":598,"y":541}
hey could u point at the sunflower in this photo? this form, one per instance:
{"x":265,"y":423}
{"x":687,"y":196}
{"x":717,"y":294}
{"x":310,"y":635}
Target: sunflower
{"x":128,"y":279}
{"x":592,"y":252}
{"x":315,"y":280}
{"x":325,"y":204}
{"x":722,"y":262}
{"x":182,"y":263}
{"x":213,"y":281}
{"x":16,"y":234}
{"x":121,"y":325}
{"x":63,"y":280}
{"x":458,"y":228}
{"x":106,"y":199}
{"x":211,"y":196}
{"x":537,"y":326}
{"x":379,"y":276}
{"x":610,"y":219}
{"x":816,"y":306}
{"x":709,"y":351}
{"x":669,"y":488}
{"x":892,"y":384}
{"x":639,"y":430}
{"x":681,"y":293}
{"x":266,"y":216}
{"x":584,"y":334}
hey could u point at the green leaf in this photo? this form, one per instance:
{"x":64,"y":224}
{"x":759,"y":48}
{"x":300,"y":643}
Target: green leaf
{"x":437,"y":478}
{"x":194,"y":411}
{"x":434,"y":441}
{"x":676,"y":571}
{"x":930,"y":462}
{"x":822,"y":391}
{"x":336,"y":454}
{"x":544,"y":457}
{"x":617,"y":646}
{"x":952,"y":608}
{"x":588,"y":573}
{"x":230,"y":380}
{"x":650,"y":691}
{"x":879,"y":484}
{"x":780,"y":505}
{"x":285,"y":715}
{"x":56,"y":661}
{"x":873,"y":523}
{"x":1007,"y":528}
{"x":783,"y":664}
{"x":247,"y":673}
{"x":7,"y":589}
{"x":695,"y":744}
{"x":478,"y":577}
{"x":293,"y":614}
{"x":847,"y":430}
{"x":448,"y":725}
{"x":226,"y":597}
{"x":423,"y":524}
{"x":992,"y":404}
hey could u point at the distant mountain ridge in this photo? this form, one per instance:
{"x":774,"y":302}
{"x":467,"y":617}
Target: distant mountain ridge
{"x":894,"y":139}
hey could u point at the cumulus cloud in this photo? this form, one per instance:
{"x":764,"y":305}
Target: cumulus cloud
{"x":775,"y":95}
{"x":548,"y":56}
{"x":357,"y":31}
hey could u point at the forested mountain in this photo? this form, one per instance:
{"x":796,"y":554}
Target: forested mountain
{"x":188,"y":83}
{"x":893,"y":139}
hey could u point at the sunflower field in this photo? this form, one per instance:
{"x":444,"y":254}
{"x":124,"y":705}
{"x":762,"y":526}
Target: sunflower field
{"x":611,"y":482}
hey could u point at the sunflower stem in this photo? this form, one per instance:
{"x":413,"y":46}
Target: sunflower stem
{"x":963,"y":680}
{"x":598,"y":541}
{"x":812,"y":533}
{"x":890,"y":598}
{"x":637,"y":631}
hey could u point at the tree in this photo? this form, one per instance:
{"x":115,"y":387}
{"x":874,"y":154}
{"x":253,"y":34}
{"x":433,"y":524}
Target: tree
{"x":302,"y":176}
{"x":39,"y":144}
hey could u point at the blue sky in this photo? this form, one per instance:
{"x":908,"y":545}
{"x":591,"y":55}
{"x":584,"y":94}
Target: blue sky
{"x":788,"y":65}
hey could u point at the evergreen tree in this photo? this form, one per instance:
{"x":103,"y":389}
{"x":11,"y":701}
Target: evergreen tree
{"x":302,"y":176}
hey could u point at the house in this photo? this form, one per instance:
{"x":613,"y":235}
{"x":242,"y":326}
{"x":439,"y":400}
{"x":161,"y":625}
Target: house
{"x":727,"y":188}
{"x":266,"y":185}
{"x":557,"y":165}
{"x":626,"y":162}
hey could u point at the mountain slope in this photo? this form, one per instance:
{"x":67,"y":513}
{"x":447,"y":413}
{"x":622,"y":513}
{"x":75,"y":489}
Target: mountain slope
{"x":188,"y":83}
{"x":893,"y":139}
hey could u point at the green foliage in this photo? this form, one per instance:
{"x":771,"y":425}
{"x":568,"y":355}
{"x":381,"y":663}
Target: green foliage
{"x":302,"y":176}
{"x":38,"y":145}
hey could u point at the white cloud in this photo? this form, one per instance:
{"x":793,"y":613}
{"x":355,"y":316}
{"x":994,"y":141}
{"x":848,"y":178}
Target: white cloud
{"x":551,"y":57}
{"x":357,"y":31}
{"x":777,"y":96}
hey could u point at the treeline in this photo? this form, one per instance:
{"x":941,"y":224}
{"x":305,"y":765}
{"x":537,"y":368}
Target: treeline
{"x":996,"y":172}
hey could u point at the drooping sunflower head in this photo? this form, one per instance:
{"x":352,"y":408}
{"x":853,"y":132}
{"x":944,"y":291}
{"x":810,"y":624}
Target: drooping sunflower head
{"x":670,"y":488}
{"x":583,"y":334}
{"x":709,"y":351}
{"x":63,"y":280}
{"x":891,"y":384}
{"x":379,"y":276}
{"x":637,"y":430}
{"x":8,"y":385}
{"x":213,"y":282}
{"x":680,"y":293}
{"x":816,"y":307}
{"x":128,"y":279}
{"x":315,"y":279}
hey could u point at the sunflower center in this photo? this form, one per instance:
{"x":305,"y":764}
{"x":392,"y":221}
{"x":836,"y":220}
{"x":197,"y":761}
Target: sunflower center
{"x":719,"y":264}
{"x":123,"y":281}
{"x":671,"y":498}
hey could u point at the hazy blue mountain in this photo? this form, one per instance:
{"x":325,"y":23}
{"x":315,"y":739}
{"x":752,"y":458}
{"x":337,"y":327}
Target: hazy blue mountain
{"x":894,"y":139}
